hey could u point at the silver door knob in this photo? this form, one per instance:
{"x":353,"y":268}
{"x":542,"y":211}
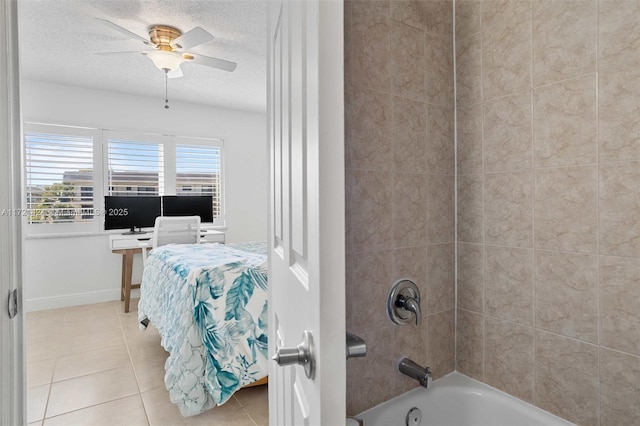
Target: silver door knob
{"x":304,"y":354}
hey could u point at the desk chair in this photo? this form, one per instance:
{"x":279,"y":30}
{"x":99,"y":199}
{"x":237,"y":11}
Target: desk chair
{"x":173,"y":229}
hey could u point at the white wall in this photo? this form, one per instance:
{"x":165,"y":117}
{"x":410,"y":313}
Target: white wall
{"x":66,"y":271}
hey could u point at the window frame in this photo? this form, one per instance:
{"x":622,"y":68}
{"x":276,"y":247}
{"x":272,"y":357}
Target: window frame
{"x":101,"y":139}
{"x":32,"y":229}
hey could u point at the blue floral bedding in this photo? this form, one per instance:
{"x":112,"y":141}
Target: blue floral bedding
{"x":209,"y":304}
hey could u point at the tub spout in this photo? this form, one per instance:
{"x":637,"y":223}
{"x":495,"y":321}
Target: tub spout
{"x":415,"y":371}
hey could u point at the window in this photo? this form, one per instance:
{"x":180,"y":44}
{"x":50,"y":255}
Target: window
{"x":199,"y":172}
{"x":132,"y":165}
{"x":59,"y":165}
{"x":70,"y":169}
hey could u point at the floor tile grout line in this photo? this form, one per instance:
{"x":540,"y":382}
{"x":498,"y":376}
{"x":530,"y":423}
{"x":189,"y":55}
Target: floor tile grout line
{"x":135,"y":374}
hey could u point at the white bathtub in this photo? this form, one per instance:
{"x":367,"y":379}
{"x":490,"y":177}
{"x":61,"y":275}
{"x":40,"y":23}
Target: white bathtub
{"x":457,"y":400}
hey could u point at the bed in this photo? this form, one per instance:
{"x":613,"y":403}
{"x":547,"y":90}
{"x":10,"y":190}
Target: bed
{"x":209,"y":305}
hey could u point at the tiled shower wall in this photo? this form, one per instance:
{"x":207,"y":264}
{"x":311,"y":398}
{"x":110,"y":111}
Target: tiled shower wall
{"x":400,"y":188}
{"x":549,"y":203}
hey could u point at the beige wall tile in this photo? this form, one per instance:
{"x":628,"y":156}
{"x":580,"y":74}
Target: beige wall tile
{"x":469,"y":139}
{"x":565,"y":123}
{"x":566,"y":378}
{"x":439,"y":69}
{"x":506,"y":47}
{"x":440,"y":146}
{"x":620,"y":303}
{"x":619,"y":207}
{"x":469,"y":69}
{"x":370,"y":45}
{"x":469,"y":344}
{"x":468,"y":17}
{"x":347,"y":43}
{"x":566,"y":294}
{"x":508,"y":209}
{"x":441,"y":343}
{"x":372,"y":279}
{"x":349,"y":187}
{"x":372,"y":371}
{"x":369,"y":137}
{"x":619,"y":34}
{"x":470,"y":277}
{"x":409,"y":136}
{"x":470,"y":208}
{"x":564,"y":39}
{"x":407,"y":61}
{"x":407,"y":210}
{"x":619,"y":388}
{"x":565,"y":209}
{"x":509,"y":357}
{"x":441,"y":285}
{"x":618,"y":115}
{"x":371,"y":210}
{"x":508,"y":284}
{"x":507,"y":134}
{"x":434,"y":16}
{"x":440,"y":209}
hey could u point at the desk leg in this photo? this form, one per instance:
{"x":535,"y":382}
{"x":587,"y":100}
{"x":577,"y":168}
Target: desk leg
{"x":124,"y":276}
{"x":127,"y":270}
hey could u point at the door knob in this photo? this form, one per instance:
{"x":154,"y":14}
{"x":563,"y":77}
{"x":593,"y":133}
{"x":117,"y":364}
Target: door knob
{"x":304,"y":354}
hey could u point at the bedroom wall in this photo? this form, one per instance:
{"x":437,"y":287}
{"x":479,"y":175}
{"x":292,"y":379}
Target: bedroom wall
{"x":66,"y":271}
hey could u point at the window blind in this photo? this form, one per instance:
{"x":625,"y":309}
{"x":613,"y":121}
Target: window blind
{"x":198,"y":172}
{"x":59,"y":177}
{"x":135,"y":168}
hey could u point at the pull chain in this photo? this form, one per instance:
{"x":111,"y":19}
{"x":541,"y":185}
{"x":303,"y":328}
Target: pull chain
{"x":166,"y":89}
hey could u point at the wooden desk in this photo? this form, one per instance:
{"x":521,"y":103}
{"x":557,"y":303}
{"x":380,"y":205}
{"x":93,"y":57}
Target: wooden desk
{"x":128,"y":245}
{"x":127,"y":269}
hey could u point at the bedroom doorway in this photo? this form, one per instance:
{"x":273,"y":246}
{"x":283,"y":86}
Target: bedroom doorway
{"x":75,"y":274}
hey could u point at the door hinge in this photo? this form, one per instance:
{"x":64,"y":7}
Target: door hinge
{"x":13,"y":303}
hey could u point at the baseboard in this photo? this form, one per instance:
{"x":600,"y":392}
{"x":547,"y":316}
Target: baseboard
{"x":68,"y":300}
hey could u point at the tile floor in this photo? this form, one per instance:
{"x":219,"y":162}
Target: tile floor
{"x":91,"y":365}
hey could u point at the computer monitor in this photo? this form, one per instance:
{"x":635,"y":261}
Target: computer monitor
{"x":188,"y":205}
{"x":133,"y":212}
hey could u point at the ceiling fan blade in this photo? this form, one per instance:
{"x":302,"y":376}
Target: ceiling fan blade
{"x":123,"y":31}
{"x":210,"y":62}
{"x":121,"y":53}
{"x":191,"y":38}
{"x":176,"y":73}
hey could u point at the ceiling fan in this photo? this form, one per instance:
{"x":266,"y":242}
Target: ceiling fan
{"x":168,"y":48}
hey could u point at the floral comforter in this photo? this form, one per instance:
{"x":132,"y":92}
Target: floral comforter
{"x":209,"y":304}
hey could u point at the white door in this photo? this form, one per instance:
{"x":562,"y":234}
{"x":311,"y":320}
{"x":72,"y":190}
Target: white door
{"x":11,"y":353}
{"x":306,"y":222}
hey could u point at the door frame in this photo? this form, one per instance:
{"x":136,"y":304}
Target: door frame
{"x":12,"y":377}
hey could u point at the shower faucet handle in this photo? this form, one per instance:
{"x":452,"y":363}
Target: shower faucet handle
{"x":403,"y":303}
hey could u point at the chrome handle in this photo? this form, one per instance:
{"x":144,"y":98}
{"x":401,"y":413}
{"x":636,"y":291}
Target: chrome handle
{"x":304,"y":354}
{"x":403,"y":303}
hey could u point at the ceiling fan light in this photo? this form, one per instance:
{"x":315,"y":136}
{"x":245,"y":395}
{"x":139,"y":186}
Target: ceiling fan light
{"x":165,"y":61}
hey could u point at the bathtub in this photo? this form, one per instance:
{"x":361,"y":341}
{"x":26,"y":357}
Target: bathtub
{"x":457,"y":400}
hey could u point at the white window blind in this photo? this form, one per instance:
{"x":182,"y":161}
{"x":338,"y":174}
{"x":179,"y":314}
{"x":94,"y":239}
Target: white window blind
{"x":199,"y":172}
{"x":135,"y":168}
{"x":59,"y":177}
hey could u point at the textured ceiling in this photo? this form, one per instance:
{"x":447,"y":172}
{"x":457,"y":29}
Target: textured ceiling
{"x":59,"y":39}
